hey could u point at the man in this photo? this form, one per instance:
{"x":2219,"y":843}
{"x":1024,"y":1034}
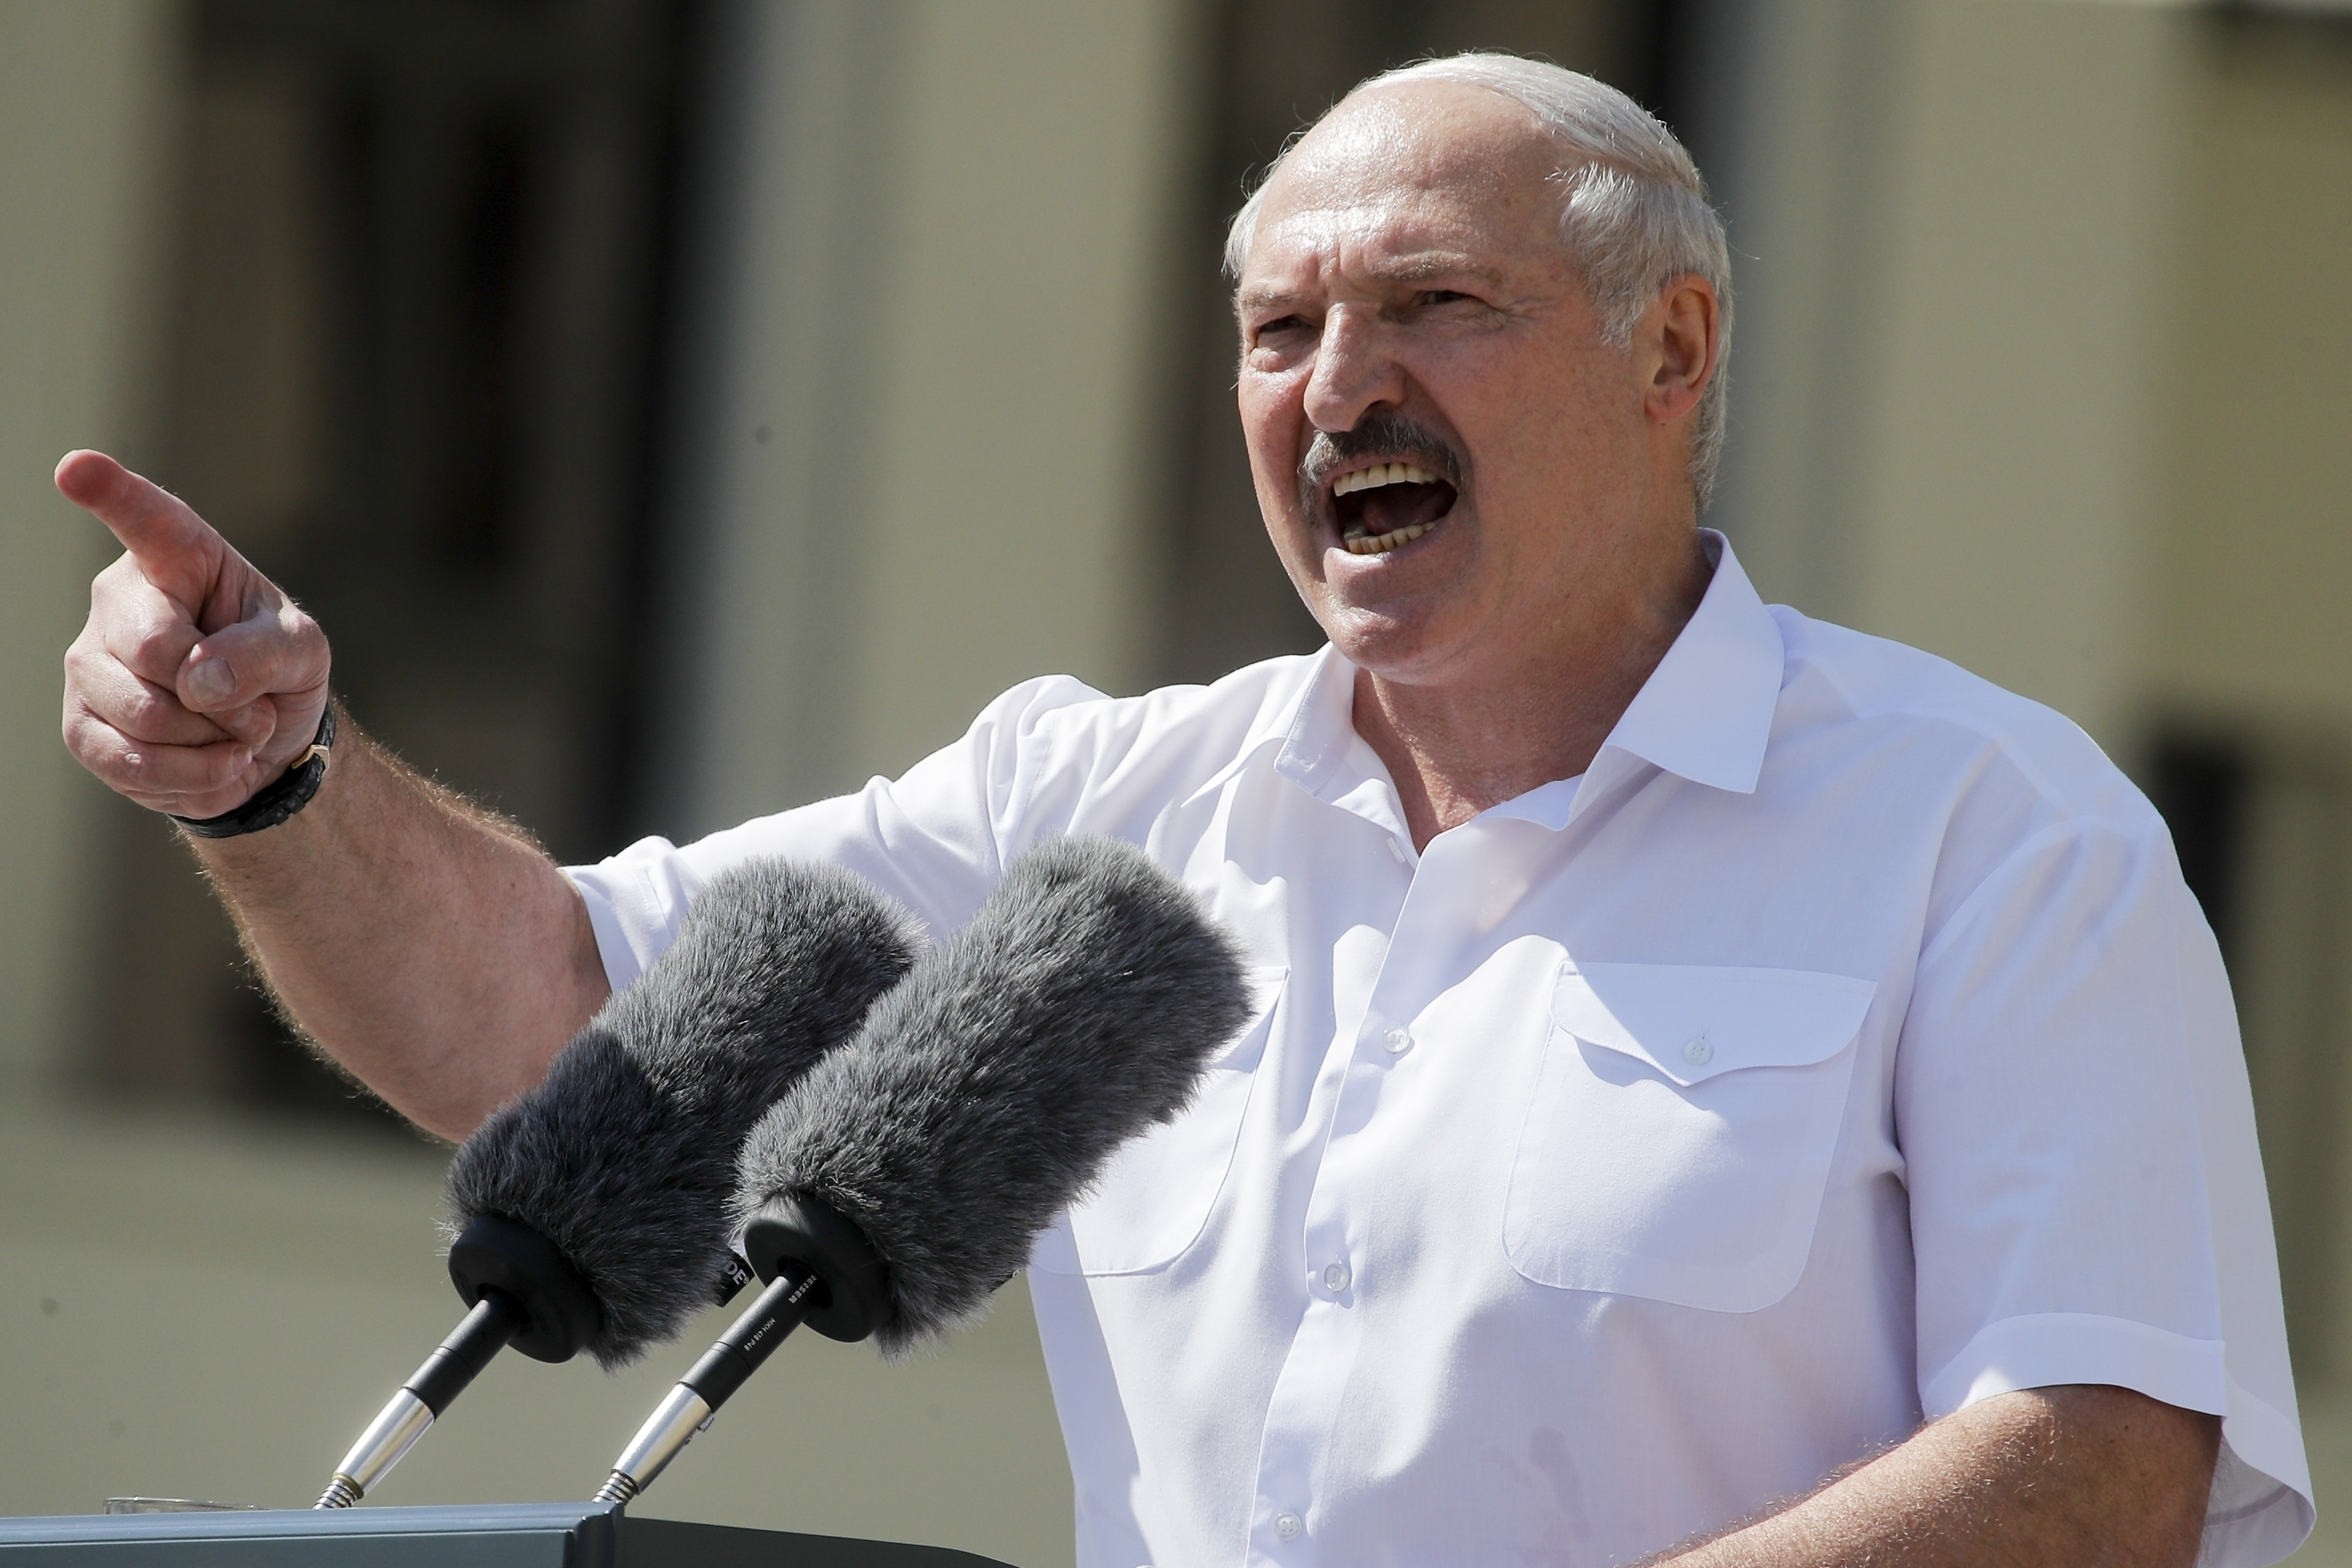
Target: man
{"x":1717,"y":1079}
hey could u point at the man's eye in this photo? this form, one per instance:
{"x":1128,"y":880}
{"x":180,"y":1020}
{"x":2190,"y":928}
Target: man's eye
{"x":1442,"y":296}
{"x":1281,"y":326}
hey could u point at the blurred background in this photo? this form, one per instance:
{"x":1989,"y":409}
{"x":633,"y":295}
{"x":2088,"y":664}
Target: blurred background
{"x":680,"y":409}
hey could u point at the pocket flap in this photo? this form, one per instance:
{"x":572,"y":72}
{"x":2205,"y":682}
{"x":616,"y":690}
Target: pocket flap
{"x":1692,"y":1021}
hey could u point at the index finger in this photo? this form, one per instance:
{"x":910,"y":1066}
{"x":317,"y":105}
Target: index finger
{"x":176,"y":550}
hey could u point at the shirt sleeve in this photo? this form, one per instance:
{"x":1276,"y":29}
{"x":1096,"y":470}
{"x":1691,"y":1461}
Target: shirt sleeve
{"x":2086,"y":1193}
{"x":935,"y":839}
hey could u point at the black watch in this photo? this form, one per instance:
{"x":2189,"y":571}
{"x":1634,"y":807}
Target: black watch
{"x":279,"y":798}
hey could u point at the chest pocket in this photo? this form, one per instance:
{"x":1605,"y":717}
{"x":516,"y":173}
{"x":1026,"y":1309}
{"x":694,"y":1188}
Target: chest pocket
{"x":1679,"y":1139}
{"x":1155,"y":1196}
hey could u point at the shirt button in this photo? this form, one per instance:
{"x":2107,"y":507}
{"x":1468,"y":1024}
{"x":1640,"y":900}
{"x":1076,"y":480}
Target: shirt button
{"x":1397,"y":1040}
{"x":1698,"y":1052}
{"x":1290,"y":1526}
{"x":1335,"y":1278}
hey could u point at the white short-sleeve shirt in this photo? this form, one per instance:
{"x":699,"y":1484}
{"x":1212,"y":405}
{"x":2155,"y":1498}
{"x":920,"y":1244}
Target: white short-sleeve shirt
{"x":1842,"y":1048}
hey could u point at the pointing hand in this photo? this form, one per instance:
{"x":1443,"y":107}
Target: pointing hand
{"x":195,"y":681}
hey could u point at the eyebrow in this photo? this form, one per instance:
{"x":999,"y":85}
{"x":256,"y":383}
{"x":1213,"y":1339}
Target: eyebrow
{"x":1422,"y":268}
{"x":1410,"y":270}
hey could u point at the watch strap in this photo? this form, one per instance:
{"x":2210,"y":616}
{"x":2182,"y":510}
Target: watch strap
{"x":281,"y":797}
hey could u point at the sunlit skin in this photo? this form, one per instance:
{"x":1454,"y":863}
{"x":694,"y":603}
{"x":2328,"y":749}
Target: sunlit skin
{"x":1407,"y":260}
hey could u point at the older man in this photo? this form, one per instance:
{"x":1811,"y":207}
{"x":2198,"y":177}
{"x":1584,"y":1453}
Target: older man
{"x":1717,"y":1080}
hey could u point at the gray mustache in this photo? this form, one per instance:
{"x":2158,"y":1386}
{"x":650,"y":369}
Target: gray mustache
{"x":1378,"y":433}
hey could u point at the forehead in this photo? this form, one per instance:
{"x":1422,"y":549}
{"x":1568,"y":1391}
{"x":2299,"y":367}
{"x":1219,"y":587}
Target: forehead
{"x":1417,"y":174}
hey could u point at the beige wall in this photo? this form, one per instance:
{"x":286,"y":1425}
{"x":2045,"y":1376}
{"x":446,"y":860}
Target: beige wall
{"x":80,"y":84}
{"x":1947,"y":409}
{"x":921,"y":467}
{"x":2005,"y":470}
{"x":2256,"y":530}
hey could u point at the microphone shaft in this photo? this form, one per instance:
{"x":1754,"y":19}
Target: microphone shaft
{"x":727,"y":1365}
{"x":469,"y":1348}
{"x":723,"y":1369}
{"x":454,"y":1363}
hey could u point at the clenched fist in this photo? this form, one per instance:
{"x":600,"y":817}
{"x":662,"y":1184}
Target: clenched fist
{"x":195,"y":681}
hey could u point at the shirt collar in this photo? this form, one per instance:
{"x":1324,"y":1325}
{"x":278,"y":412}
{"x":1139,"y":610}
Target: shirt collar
{"x":1318,"y":729}
{"x":1705,"y":714}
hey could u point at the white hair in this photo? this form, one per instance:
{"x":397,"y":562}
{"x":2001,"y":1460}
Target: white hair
{"x":1636,"y":218}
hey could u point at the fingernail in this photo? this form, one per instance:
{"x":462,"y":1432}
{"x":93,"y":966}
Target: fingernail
{"x":212,"y":681}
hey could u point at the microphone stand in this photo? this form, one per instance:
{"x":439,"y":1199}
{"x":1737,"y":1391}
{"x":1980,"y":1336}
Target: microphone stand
{"x":820,"y":1270}
{"x":445,"y":1375}
{"x":693,"y":1403}
{"x":520,"y":1291}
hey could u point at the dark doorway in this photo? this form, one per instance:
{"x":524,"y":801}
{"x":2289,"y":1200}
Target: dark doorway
{"x":417,"y":298}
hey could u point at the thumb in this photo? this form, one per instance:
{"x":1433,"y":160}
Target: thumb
{"x":176,"y":550}
{"x":276,"y":650}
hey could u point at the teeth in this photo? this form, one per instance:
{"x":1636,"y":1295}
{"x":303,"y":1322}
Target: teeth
{"x":1381,"y":474}
{"x":1382,"y":544}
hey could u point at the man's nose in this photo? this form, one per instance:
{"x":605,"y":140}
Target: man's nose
{"x":1354,"y":371}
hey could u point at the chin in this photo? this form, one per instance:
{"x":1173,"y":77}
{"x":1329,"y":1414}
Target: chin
{"x":1408,"y":648}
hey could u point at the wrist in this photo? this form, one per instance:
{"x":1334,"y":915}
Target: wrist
{"x":279,"y":798}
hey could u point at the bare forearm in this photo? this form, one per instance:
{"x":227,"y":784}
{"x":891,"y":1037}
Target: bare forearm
{"x":432,"y":950}
{"x":2075,"y":1475}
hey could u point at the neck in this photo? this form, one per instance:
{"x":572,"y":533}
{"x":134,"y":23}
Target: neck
{"x":1458,"y":748}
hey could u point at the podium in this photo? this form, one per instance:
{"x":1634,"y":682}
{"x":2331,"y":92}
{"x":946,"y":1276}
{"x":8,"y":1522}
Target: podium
{"x":506,"y":1535}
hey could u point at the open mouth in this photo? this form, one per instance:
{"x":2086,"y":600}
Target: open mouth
{"x":1388,"y":505}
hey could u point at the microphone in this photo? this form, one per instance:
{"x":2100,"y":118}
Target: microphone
{"x":905,"y":1177}
{"x":592,"y":1212}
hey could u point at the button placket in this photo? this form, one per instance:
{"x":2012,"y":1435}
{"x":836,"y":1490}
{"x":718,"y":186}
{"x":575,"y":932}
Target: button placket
{"x":1305,"y":1401}
{"x":1296,"y":1439}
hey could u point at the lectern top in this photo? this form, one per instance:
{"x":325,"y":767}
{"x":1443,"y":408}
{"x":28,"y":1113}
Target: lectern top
{"x":504,"y":1535}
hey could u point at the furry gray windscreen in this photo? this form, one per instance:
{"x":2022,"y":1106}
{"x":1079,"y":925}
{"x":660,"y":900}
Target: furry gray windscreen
{"x":625,"y":1156}
{"x":987,"y":1090}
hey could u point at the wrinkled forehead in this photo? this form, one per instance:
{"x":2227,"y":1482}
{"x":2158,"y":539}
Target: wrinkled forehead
{"x":1415,"y":166}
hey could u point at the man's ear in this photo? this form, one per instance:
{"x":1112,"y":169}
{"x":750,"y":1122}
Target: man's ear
{"x":1682,"y":337}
